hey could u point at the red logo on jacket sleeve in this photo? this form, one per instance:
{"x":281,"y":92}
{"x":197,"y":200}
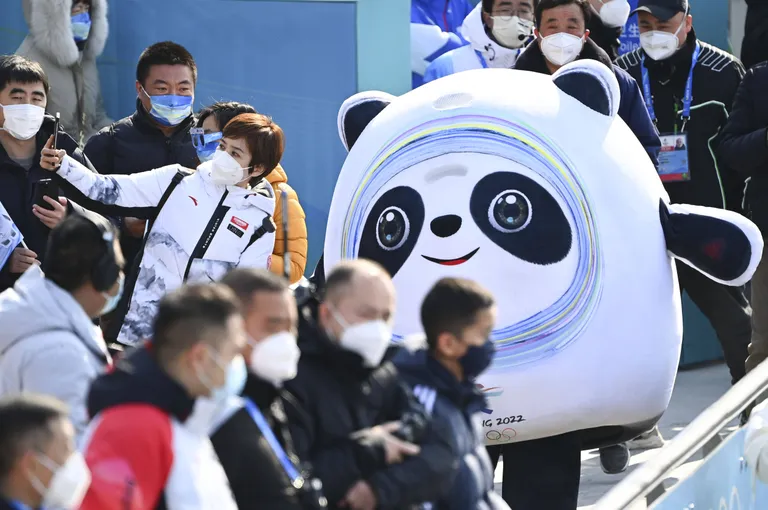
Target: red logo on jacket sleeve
{"x":193,"y":199}
{"x":240,"y":223}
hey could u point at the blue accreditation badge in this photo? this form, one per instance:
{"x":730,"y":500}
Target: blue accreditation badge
{"x":673,"y":158}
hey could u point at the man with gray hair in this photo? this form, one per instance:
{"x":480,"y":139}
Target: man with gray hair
{"x":367,"y":438}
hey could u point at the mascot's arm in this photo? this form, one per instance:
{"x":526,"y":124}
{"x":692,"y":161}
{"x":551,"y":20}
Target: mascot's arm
{"x":427,"y":476}
{"x":723,"y":245}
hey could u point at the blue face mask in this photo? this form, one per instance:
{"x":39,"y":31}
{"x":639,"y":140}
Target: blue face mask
{"x":112,"y":301}
{"x":205,"y":144}
{"x":170,"y":110}
{"x":81,"y":26}
{"x":237,"y":373}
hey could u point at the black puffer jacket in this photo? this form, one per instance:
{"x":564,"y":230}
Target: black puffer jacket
{"x":18,"y":187}
{"x":456,"y":406}
{"x":339,"y":396}
{"x":136,"y":144}
{"x":715,"y":79}
{"x":256,"y":476}
{"x":744,"y":145}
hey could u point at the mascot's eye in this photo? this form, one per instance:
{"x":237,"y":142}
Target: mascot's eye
{"x":392,"y":229}
{"x":510,"y":211}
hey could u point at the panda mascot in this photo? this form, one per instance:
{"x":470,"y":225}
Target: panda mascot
{"x":532,"y":186}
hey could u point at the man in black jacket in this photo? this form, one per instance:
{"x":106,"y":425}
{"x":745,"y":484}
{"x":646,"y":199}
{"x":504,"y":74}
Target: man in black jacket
{"x":458,"y":317}
{"x":253,"y":441}
{"x":689,"y":86}
{"x":157,"y":134}
{"x":359,"y":422}
{"x":607,"y":23}
{"x":744,"y":147}
{"x":24,"y":131}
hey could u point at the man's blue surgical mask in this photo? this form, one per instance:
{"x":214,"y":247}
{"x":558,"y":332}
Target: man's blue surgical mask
{"x":170,"y":110}
{"x":205,"y":143}
{"x":81,"y":26}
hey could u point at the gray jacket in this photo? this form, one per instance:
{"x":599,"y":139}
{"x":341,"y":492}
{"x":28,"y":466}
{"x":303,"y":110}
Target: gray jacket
{"x":48,"y":344}
{"x":74,"y":77}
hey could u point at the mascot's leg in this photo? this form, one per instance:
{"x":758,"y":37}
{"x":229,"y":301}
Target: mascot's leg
{"x":758,"y":349}
{"x":727,"y":310}
{"x":543,"y":474}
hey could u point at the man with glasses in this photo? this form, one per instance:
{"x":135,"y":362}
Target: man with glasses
{"x":497,"y":31}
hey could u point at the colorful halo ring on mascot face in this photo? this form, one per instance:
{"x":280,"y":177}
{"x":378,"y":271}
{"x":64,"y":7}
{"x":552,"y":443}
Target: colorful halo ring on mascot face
{"x":550,"y":330}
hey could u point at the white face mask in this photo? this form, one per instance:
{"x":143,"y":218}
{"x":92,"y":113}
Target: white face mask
{"x":561,"y":48}
{"x":511,"y":32}
{"x":367,"y":339}
{"x":659,"y":45}
{"x":69,"y":484}
{"x":225,"y":170}
{"x":22,"y":121}
{"x":614,"y":13}
{"x":275,"y":359}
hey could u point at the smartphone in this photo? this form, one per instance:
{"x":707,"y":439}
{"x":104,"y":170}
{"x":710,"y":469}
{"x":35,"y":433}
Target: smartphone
{"x":56,"y":131}
{"x":46,"y":188}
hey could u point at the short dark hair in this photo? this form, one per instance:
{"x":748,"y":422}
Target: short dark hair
{"x":265,"y":139}
{"x":22,"y":70}
{"x":186,"y":315}
{"x":451,"y":306}
{"x":74,"y":247}
{"x":223,"y":112}
{"x":25,"y":424}
{"x":488,"y":5}
{"x":341,"y":275}
{"x":545,"y":5}
{"x":245,"y":282}
{"x":164,"y":53}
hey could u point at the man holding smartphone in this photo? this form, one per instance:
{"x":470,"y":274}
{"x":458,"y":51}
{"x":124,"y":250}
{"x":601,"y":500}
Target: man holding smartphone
{"x":27,"y":191}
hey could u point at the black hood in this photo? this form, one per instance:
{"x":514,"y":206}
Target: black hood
{"x":315,"y":345}
{"x":138,"y":379}
{"x":532,"y":59}
{"x":421,"y":368}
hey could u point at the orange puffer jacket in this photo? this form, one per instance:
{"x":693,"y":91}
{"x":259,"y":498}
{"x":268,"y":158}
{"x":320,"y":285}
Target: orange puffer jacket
{"x":297,"y":227}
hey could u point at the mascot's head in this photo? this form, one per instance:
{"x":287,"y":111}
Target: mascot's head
{"x":528,"y":184}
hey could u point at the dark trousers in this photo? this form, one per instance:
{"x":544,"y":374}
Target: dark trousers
{"x":541,"y":474}
{"x":727,"y":310}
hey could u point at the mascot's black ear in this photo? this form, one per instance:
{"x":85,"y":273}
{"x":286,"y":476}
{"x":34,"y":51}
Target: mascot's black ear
{"x":721,"y":244}
{"x":591,"y":83}
{"x":357,"y":112}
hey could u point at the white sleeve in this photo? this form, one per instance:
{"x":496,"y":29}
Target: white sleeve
{"x":429,"y":41}
{"x":258,"y":255}
{"x":143,"y":189}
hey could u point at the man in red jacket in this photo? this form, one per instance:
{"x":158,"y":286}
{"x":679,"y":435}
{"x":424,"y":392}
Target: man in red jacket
{"x":140,"y":448}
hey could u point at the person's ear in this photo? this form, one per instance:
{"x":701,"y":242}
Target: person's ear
{"x":447,"y":345}
{"x":586,"y":34}
{"x":139,"y":92}
{"x":487,"y":19}
{"x":536,"y":33}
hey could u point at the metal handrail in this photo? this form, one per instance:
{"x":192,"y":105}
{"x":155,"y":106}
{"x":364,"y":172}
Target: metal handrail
{"x":650,"y":475}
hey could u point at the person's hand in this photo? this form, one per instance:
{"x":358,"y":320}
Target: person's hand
{"x":21,"y":259}
{"x":134,"y":227}
{"x":360,"y":497}
{"x":50,"y":158}
{"x":51,"y":218}
{"x":395,"y":449}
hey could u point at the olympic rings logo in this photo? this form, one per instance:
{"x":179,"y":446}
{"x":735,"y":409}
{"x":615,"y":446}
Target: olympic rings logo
{"x":504,"y":436}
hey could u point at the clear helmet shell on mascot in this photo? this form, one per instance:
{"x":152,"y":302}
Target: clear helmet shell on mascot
{"x":532,"y":186}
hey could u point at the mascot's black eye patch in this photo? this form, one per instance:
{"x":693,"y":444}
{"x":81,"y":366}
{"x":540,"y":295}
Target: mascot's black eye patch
{"x":392,"y":228}
{"x":521,"y":217}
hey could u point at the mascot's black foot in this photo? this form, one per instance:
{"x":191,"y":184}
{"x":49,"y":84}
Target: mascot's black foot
{"x":614,"y":459}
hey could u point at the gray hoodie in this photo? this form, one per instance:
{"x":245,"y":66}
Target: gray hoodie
{"x":48,"y":344}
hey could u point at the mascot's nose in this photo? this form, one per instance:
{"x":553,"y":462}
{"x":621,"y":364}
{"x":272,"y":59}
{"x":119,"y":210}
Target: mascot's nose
{"x":445,"y":226}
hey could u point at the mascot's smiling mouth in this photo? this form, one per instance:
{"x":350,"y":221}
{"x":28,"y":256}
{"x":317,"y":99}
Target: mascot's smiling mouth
{"x":452,"y":262}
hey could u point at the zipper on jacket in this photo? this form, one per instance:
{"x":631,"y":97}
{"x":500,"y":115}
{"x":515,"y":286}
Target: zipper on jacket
{"x":210,"y":231}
